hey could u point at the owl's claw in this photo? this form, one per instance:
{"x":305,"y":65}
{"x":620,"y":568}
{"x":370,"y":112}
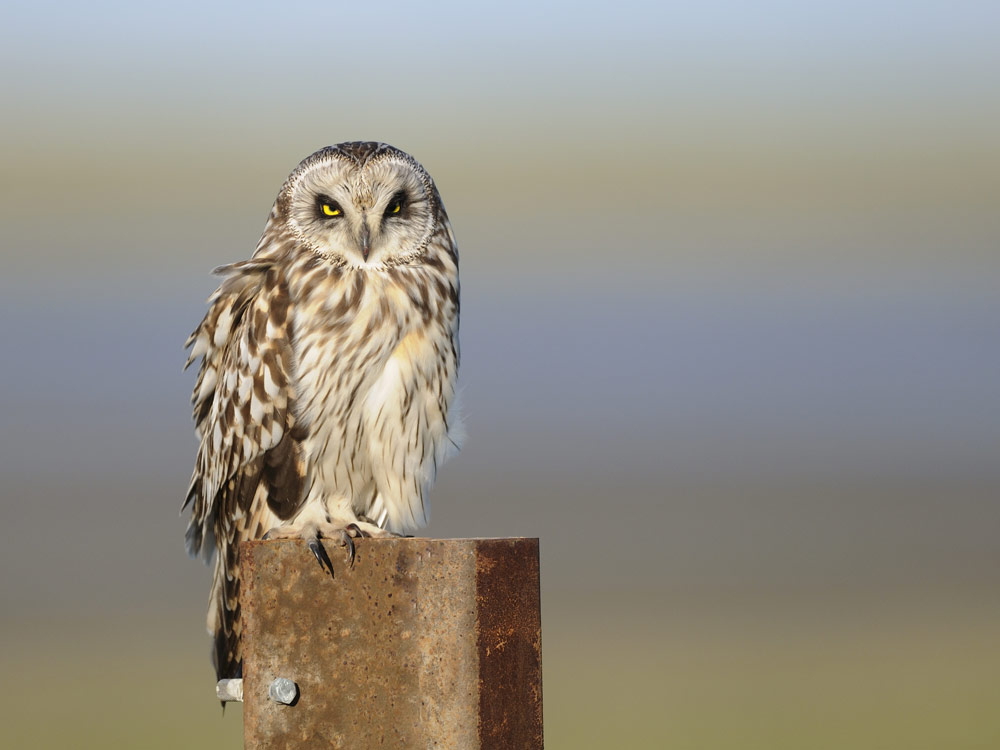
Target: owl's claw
{"x":317,"y":548}
{"x":344,"y":536}
{"x":349,"y":543}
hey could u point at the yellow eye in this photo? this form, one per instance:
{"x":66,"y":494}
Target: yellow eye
{"x":333,"y":210}
{"x":395,"y":208}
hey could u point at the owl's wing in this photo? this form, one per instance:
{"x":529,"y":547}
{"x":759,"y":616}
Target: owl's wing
{"x":249,"y":471}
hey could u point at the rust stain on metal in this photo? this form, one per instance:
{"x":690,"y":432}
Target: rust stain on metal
{"x":422,"y":644}
{"x":509,"y":642}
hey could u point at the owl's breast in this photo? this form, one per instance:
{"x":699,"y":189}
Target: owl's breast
{"x":343,"y":337}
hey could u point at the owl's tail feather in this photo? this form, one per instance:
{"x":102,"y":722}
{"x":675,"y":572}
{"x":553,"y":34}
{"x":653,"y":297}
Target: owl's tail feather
{"x":224,"y":622}
{"x":244,"y":515}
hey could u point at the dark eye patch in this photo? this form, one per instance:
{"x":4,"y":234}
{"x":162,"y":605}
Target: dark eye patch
{"x":396,"y":205}
{"x":328,"y":208}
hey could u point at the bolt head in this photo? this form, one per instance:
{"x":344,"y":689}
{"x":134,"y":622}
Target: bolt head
{"x":283,"y":690}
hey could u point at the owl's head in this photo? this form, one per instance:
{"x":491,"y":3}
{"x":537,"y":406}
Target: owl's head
{"x":361,"y":204}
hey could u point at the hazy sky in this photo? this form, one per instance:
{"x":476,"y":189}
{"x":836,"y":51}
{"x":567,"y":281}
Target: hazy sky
{"x":315,"y":46}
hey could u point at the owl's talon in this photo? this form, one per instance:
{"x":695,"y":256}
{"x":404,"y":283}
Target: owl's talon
{"x":317,"y":548}
{"x":349,"y":543}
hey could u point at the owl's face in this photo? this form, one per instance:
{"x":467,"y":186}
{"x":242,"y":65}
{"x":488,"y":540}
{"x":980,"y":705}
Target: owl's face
{"x":361,"y":205}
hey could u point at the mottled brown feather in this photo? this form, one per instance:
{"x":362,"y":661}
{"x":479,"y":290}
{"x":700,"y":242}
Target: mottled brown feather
{"x":238,"y":460}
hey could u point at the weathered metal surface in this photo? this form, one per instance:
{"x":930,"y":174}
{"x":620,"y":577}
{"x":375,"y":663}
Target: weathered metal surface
{"x":422,"y":644}
{"x":509,"y":642}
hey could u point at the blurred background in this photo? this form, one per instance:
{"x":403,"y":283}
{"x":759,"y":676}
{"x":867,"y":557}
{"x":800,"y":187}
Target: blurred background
{"x":731,"y":298}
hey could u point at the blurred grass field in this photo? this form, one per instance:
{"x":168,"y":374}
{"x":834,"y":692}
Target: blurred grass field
{"x":620,"y":670}
{"x":806,"y":672}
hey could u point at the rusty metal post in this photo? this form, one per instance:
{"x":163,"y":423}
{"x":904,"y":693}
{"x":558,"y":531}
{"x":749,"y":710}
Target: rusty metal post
{"x":424,"y":643}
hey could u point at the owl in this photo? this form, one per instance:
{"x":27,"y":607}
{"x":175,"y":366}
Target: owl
{"x":324,"y":403}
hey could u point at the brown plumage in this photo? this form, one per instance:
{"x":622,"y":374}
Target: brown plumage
{"x":329,"y":359}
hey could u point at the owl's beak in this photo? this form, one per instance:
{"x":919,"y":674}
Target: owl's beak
{"x":365,"y":239}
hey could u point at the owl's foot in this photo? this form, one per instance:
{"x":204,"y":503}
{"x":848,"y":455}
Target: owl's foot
{"x":344,"y":535}
{"x":365,"y":528}
{"x":372,"y":529}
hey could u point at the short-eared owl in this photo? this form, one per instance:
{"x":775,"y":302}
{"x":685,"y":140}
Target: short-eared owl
{"x":323,"y":404}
